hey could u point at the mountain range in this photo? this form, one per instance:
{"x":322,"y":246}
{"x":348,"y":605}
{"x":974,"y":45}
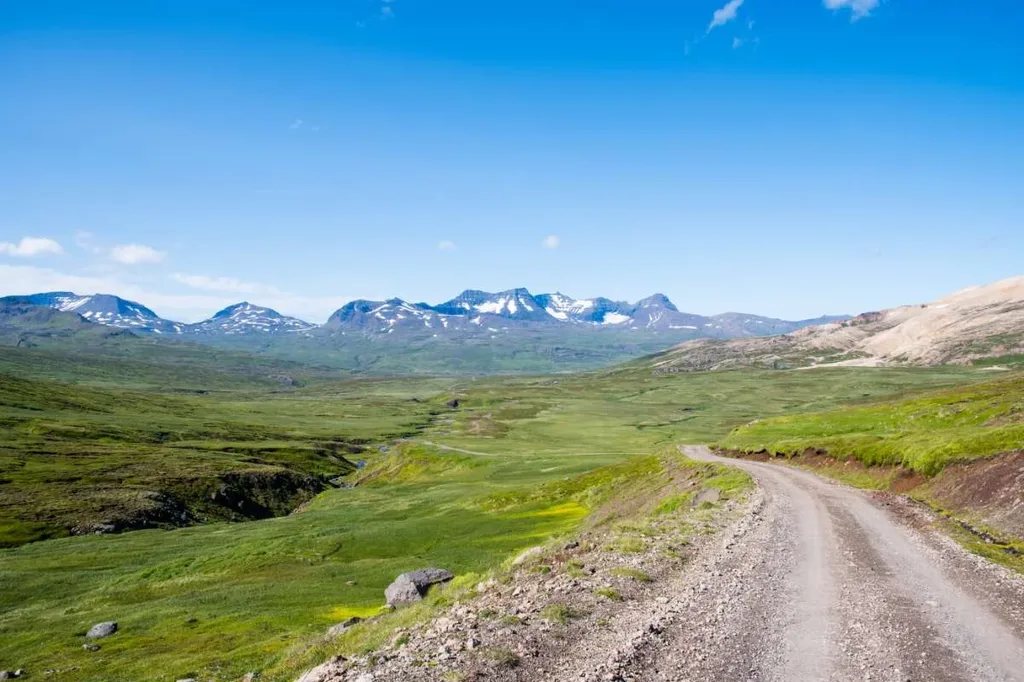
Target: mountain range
{"x":470,"y":312}
{"x":515,"y":331}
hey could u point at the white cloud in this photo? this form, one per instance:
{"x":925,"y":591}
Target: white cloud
{"x":858,"y":8}
{"x":727,"y":13}
{"x":28,"y":247}
{"x":226,"y":284}
{"x":386,"y":12}
{"x":296,"y":124}
{"x":136,"y":254}
{"x":737,"y":43}
{"x":446,"y":245}
{"x":551,"y":242}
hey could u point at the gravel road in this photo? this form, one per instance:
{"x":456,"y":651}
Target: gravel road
{"x":833,"y":583}
{"x":807,"y":580}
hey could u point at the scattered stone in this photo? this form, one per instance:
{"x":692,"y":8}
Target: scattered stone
{"x":6,"y":675}
{"x":454,"y":404}
{"x":91,"y":647}
{"x":188,"y":679}
{"x":571,"y":545}
{"x":101,"y":630}
{"x":341,"y":627}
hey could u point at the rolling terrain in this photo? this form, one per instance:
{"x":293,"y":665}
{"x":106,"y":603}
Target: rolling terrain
{"x":980,"y":323}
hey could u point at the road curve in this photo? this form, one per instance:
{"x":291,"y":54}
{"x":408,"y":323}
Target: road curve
{"x":830,"y":584}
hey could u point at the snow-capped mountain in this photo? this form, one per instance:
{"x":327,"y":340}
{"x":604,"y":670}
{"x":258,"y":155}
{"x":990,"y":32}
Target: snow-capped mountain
{"x":514,"y":304}
{"x":113,"y":311}
{"x":472,"y":313}
{"x":246,"y":318}
{"x":109,"y":310}
{"x":506,"y":311}
{"x":386,"y":316}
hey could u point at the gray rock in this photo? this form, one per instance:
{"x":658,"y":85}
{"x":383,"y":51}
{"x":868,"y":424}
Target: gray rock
{"x":343,"y":626}
{"x":188,"y":679}
{"x":527,"y":555}
{"x":410,"y":587}
{"x":91,"y":647}
{"x":425,"y":577}
{"x":6,"y":675}
{"x":402,"y":591}
{"x":101,"y":630}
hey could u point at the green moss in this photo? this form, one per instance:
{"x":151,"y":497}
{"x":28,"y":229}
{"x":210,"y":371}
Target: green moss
{"x":633,"y":574}
{"x":608,"y":593}
{"x":560,"y":613}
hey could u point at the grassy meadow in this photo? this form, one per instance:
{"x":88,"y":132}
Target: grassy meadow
{"x":923,"y":433}
{"x":521,"y":460}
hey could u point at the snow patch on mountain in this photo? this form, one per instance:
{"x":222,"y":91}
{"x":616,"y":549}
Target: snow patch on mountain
{"x":616,"y":318}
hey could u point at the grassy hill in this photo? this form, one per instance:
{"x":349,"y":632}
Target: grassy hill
{"x":924,"y":434}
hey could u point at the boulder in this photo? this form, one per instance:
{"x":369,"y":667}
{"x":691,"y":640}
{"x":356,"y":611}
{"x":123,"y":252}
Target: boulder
{"x":6,"y":675}
{"x":410,"y":587}
{"x":101,"y":630}
{"x":402,"y":591}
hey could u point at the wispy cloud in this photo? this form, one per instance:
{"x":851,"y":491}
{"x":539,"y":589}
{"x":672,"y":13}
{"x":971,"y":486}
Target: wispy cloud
{"x":225,"y":284}
{"x":551,"y":242}
{"x":136,"y":254}
{"x":737,"y":43}
{"x":85,"y":241}
{"x":858,"y":8}
{"x":446,"y":245}
{"x":727,"y":13}
{"x":29,"y":247}
{"x":299,"y":124}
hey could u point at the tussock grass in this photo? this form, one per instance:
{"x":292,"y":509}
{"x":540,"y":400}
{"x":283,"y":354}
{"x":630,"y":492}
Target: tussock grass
{"x":633,"y":574}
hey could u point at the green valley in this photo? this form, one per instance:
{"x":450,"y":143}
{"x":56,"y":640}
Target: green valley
{"x":465,"y":485}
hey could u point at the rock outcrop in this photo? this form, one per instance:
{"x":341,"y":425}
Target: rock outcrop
{"x":410,"y":587}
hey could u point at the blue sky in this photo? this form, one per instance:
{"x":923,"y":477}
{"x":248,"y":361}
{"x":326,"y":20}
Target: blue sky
{"x":788,"y":158}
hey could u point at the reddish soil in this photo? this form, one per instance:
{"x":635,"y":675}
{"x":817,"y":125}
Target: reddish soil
{"x":990,"y":489}
{"x":985,"y":492}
